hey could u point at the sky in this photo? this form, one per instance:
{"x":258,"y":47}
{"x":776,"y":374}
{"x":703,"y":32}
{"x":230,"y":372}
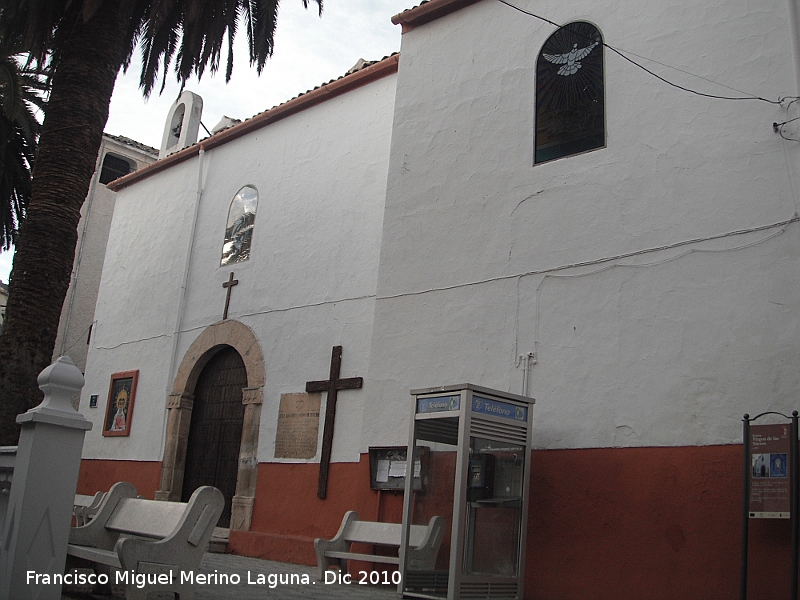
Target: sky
{"x":309,"y":50}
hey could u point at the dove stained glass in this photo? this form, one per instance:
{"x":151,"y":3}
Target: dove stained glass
{"x":570,"y":95}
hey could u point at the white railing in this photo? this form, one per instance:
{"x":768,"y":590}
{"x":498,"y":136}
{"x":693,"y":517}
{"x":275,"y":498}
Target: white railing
{"x":7,"y":456}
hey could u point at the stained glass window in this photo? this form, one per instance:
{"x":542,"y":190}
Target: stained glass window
{"x":239,"y":228}
{"x":570,"y":99}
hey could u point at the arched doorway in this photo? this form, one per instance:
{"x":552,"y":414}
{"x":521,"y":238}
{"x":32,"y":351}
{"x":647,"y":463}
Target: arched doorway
{"x":180,"y":406}
{"x":215,"y":432}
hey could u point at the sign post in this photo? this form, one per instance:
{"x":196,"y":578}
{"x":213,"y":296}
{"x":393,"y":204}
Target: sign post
{"x":795,"y":515}
{"x":745,"y":505}
{"x":769,"y":483}
{"x":770,"y":491}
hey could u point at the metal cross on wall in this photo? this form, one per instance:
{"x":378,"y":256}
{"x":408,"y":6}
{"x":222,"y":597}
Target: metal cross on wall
{"x":229,"y":285}
{"x":331,"y":386}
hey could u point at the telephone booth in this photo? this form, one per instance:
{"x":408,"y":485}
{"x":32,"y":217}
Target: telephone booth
{"x":477,"y":446}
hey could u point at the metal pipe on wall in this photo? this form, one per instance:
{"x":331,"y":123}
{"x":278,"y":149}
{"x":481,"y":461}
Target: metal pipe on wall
{"x":794,"y":28}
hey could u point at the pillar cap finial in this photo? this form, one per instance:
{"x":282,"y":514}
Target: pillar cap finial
{"x":60,"y":382}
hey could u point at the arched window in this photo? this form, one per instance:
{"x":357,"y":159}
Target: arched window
{"x":239,"y":228}
{"x":115,"y":167}
{"x":570,"y":98}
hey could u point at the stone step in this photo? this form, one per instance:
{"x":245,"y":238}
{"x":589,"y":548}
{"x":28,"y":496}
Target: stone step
{"x":219,"y":540}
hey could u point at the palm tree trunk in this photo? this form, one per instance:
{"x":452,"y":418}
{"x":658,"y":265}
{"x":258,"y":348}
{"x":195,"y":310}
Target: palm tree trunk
{"x":71,"y":136}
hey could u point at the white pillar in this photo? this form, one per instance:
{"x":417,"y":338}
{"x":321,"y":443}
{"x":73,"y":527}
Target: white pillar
{"x":36,"y":529}
{"x":7,"y":456}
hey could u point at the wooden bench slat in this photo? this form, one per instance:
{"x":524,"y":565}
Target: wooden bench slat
{"x":135,"y":516}
{"x":393,"y":560}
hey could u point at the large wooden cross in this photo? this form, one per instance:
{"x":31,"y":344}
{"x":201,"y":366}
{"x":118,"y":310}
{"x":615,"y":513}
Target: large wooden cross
{"x":228,"y":284}
{"x":331,"y":386}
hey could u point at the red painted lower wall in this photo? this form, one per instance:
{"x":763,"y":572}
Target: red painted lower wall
{"x":655,"y":523}
{"x":100,"y":475}
{"x":632,"y":523}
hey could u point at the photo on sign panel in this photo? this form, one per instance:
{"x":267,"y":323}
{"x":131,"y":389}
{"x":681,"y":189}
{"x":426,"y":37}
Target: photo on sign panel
{"x":761,"y":465}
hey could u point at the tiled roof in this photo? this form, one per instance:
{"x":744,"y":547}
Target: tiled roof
{"x":428,"y":10}
{"x":408,"y":10}
{"x":359,"y":66}
{"x":133,"y":144}
{"x":360,"y":74}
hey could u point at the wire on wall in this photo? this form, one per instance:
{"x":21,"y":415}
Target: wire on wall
{"x":241,"y":316}
{"x":608,"y":267}
{"x":778,"y":128}
{"x":596,"y":261}
{"x":84,"y":335}
{"x":620,"y":53}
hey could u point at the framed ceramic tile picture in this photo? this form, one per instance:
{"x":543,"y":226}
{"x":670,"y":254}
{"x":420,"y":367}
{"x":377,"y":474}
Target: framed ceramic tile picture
{"x":119,"y":409}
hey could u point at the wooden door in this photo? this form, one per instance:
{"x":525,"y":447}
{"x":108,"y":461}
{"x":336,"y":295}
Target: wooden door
{"x":215,"y":434}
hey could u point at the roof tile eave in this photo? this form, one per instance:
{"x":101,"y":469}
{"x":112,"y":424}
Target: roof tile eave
{"x":427,"y":11}
{"x":133,"y":144}
{"x":369,"y":72}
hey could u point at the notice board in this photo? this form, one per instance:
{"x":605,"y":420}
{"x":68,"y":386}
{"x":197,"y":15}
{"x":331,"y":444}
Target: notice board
{"x":388,"y":468}
{"x":770,"y":490}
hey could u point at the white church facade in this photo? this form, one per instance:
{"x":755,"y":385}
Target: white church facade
{"x":118,"y":156}
{"x":504,"y":203}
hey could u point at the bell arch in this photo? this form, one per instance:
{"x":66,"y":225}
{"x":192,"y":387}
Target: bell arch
{"x":179,"y":414}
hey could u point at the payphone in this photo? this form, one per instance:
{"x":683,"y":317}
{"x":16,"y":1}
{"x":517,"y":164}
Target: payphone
{"x":478,"y":445}
{"x":480,"y":477}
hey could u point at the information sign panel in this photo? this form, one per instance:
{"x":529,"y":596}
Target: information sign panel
{"x":769,"y":473}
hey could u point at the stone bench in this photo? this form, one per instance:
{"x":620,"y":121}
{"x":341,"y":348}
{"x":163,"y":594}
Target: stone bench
{"x":148,"y":537}
{"x":424,"y":542}
{"x":85,"y":507}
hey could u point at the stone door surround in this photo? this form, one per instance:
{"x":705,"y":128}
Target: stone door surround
{"x":179,"y":414}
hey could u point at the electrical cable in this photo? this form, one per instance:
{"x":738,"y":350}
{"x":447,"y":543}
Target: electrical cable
{"x":778,"y":128}
{"x":645,"y":69}
{"x":80,"y":338}
{"x":655,"y":263}
{"x":265,"y":311}
{"x":144,"y":339}
{"x":788,"y":139}
{"x":595,"y":261}
{"x":689,"y":73}
{"x":546,"y":272}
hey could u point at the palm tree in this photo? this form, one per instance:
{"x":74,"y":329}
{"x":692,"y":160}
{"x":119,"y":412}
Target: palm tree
{"x":22,"y":92}
{"x":88,"y":42}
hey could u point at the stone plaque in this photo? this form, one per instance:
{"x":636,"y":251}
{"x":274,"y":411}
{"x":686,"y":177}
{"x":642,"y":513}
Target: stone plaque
{"x":298,"y":426}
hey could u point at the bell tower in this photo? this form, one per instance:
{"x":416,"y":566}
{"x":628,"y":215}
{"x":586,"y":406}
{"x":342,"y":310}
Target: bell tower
{"x":183,"y":123}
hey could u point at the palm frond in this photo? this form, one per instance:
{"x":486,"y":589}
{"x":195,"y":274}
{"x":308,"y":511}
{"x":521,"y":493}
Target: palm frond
{"x":23,"y":91}
{"x":192,"y":33}
{"x":195,"y":33}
